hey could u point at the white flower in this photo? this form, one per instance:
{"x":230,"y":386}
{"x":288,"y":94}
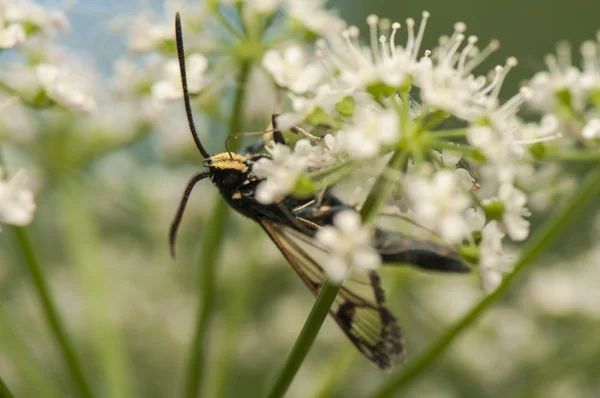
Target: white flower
{"x":439,"y":203}
{"x":11,"y":35}
{"x":592,"y":129}
{"x":313,"y":15}
{"x":68,"y":89}
{"x":513,"y":221}
{"x":264,"y":6}
{"x":475,"y":219}
{"x":590,"y":76}
{"x":324,"y":153}
{"x":280,"y":172}
{"x":561,"y":77}
{"x":446,"y":80}
{"x":170,"y":87}
{"x":28,"y":13}
{"x":381,"y":62}
{"x":498,"y":150}
{"x":349,"y":244}
{"x":16,"y":200}
{"x":291,"y":69}
{"x":492,"y":260}
{"x":370,"y":129}
{"x":148,"y":37}
{"x":325,"y":98}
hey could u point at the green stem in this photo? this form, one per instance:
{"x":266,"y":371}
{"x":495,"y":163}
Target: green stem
{"x":51,"y":313}
{"x":39,"y":383}
{"x":83,"y":248}
{"x":336,"y":372}
{"x":236,"y":315}
{"x":590,"y":190}
{"x":328,"y":293}
{"x":305,"y":340}
{"x":580,"y":156}
{"x":382,"y":188}
{"x":4,"y":391}
{"x":455,"y":133}
{"x":210,"y":249}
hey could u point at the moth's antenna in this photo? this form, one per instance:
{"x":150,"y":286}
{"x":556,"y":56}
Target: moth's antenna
{"x":186,"y":95}
{"x":179,"y":215}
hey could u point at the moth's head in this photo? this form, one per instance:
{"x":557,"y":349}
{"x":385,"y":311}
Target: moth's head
{"x":227,"y":170}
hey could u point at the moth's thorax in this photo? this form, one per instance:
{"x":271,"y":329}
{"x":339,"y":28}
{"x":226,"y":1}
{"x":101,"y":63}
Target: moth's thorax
{"x":228,"y":161}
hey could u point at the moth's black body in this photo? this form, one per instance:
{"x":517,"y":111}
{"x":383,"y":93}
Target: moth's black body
{"x":291,"y":223}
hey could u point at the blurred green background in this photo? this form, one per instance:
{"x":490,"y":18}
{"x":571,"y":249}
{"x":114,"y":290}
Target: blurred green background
{"x":541,"y":341}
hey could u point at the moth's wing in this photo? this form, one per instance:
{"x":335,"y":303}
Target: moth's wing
{"x":359,"y":307}
{"x":401,"y":241}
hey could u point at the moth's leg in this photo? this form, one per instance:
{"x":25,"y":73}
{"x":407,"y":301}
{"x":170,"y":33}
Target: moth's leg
{"x":277,"y":134}
{"x":253,"y":148}
{"x":259,"y":145}
{"x":323,"y":214}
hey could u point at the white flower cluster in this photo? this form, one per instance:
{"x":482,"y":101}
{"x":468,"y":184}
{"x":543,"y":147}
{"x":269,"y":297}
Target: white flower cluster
{"x":22,"y":19}
{"x":26,"y":26}
{"x":568,"y":92}
{"x":358,"y":90}
{"x":473,"y":194}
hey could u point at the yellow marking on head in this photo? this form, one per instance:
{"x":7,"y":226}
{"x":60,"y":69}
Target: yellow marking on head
{"x":236,"y":195}
{"x":224,"y":161}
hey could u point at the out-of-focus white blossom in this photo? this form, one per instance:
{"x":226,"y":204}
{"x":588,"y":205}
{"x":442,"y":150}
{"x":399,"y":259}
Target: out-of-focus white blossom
{"x":324,"y":153}
{"x":592,"y":129}
{"x":475,"y":219}
{"x":26,"y":13}
{"x":325,"y":98}
{"x":281,"y":172}
{"x":170,"y":87}
{"x":147,"y":36}
{"x":290,"y":68}
{"x":349,"y":244}
{"x":16,"y":200}
{"x":439,"y":203}
{"x":314,"y":16}
{"x":11,"y":35}
{"x":513,"y":201}
{"x":371,"y":128}
{"x":68,"y":88}
{"x":492,"y":261}
{"x":497,"y":148}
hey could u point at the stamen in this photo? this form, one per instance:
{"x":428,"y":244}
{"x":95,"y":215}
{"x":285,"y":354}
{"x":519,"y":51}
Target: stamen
{"x":465,"y":52}
{"x":410,"y":43}
{"x":482,"y":55}
{"x":545,"y":138}
{"x":510,"y":63}
{"x":514,"y":103}
{"x":422,"y":25}
{"x":348,"y":34}
{"x":395,"y":27}
{"x":458,"y":39}
{"x":372,"y":21}
{"x":563,"y":54}
{"x":589,"y":53}
{"x":497,"y":72}
{"x":385,"y":51}
{"x":552,"y":64}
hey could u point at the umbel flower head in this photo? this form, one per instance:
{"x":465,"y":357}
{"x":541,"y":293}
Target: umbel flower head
{"x":362,"y":98}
